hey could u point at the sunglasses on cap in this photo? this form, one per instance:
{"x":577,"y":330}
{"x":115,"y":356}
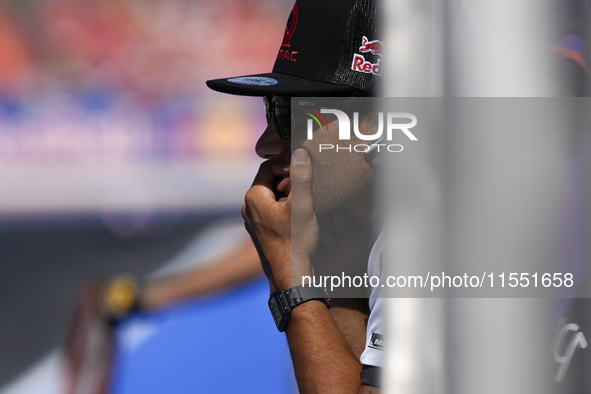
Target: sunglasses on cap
{"x":278,"y":111}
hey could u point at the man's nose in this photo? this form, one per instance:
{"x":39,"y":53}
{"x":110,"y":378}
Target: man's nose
{"x":270,"y":144}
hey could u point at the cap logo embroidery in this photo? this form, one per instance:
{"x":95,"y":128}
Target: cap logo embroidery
{"x":291,"y":29}
{"x":374,"y":46}
{"x":286,"y":54}
{"x":360,"y":64}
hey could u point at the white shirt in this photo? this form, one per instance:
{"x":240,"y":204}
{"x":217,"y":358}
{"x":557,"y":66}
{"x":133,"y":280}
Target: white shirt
{"x":372,"y":355}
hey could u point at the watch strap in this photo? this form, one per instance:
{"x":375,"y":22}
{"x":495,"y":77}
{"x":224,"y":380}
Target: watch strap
{"x":282,"y":302}
{"x":299,"y":294}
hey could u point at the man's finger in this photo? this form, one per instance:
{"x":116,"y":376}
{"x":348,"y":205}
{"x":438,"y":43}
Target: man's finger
{"x":263,"y":182}
{"x":301,"y":182}
{"x":264,"y":177}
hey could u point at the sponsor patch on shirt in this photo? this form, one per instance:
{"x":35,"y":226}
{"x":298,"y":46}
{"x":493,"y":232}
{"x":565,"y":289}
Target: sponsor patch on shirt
{"x":377,"y":341}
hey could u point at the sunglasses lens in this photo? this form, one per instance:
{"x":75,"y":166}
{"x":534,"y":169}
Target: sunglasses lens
{"x":284,"y":125}
{"x":268,"y":112}
{"x":278,"y":111}
{"x":282,"y":115}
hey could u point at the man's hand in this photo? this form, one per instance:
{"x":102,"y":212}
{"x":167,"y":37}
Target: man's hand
{"x":270,"y":223}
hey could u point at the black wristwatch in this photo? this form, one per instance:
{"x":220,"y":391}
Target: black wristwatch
{"x":282,"y":302}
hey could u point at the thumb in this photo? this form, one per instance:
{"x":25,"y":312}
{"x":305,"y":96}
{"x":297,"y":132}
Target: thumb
{"x":301,"y":183}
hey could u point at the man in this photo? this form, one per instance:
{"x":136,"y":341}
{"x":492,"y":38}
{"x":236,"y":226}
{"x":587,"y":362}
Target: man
{"x":330,"y":48}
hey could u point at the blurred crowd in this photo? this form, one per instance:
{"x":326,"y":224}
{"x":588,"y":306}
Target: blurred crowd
{"x":124,"y":79}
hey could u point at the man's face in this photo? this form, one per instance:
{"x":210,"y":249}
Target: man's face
{"x":339,"y":177}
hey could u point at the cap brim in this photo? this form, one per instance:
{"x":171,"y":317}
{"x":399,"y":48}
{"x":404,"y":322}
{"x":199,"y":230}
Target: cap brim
{"x":276,"y":84}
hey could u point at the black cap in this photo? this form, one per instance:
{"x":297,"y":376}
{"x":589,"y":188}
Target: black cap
{"x":330,"y":47}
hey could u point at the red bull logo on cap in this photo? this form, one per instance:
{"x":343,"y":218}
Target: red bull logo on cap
{"x":375,"y":46}
{"x":360,"y":64}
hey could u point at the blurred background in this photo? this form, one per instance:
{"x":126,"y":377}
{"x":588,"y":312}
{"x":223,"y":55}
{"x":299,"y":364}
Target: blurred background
{"x":113,"y":153}
{"x":114,"y":156}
